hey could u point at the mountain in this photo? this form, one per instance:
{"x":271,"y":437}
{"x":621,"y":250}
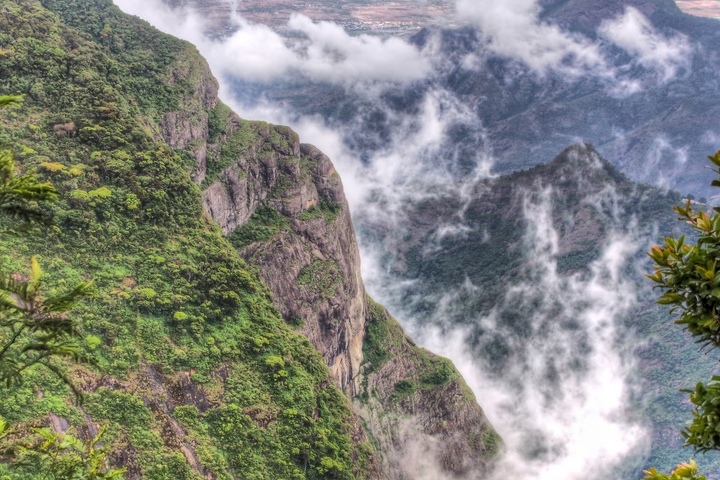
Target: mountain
{"x":282,"y":206}
{"x":525,"y":265}
{"x":522,"y":117}
{"x":232,"y":331}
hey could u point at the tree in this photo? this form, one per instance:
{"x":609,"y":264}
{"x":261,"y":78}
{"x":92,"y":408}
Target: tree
{"x":36,"y":330}
{"x":689,"y":277}
{"x":21,"y":196}
{"x":686,"y":471}
{"x":57,"y":456}
{"x":33,"y":330}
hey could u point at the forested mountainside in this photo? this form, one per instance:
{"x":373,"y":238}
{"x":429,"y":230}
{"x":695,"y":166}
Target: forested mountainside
{"x":232,"y":332}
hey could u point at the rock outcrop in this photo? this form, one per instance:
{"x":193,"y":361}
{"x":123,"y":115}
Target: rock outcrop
{"x":312,"y":264}
{"x":282,"y":205}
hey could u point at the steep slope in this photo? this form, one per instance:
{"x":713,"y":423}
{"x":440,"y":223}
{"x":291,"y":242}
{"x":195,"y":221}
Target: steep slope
{"x":201,"y":378}
{"x":200,"y":372}
{"x":282,"y":205}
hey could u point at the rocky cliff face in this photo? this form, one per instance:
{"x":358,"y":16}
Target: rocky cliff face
{"x":419,"y":409}
{"x":312,"y":262}
{"x":281,"y":203}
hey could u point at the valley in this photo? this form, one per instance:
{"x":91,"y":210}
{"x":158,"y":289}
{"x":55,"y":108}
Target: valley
{"x":402,"y":17}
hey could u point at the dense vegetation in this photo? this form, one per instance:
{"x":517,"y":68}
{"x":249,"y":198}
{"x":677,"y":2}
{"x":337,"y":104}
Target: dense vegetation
{"x":196,"y":371}
{"x":686,"y":273}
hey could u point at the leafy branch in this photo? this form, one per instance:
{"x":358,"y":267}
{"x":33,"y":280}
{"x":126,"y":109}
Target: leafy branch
{"x":689,"y":277}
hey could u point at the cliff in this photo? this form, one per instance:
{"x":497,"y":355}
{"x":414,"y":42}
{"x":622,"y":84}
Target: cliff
{"x":197,"y":374}
{"x":201,"y":332}
{"x":281,"y":203}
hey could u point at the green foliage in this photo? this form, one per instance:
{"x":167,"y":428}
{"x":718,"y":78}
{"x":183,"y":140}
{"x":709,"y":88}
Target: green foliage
{"x":234,"y":140}
{"x":35,"y":331}
{"x":321,"y":277}
{"x":58,"y":456}
{"x":405,"y":388}
{"x":686,"y":471}
{"x":438,"y":371}
{"x":326,"y":209}
{"x":21,"y":196}
{"x":704,"y":431}
{"x":491,"y":443}
{"x":686,"y":273}
{"x":375,"y":354}
{"x":264,"y":224}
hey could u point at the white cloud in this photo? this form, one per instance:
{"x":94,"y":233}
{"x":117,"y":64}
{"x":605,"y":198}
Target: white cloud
{"x":256,"y":53}
{"x":577,"y":425}
{"x":337,"y":57}
{"x":513,"y":29}
{"x":664,"y":162}
{"x":634,"y":33}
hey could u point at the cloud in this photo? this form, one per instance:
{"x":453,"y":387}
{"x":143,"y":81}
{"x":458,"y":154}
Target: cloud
{"x":325,"y":52}
{"x":633,"y":32}
{"x":664,"y":162}
{"x":512,"y":28}
{"x":333,"y":55}
{"x":562,"y":403}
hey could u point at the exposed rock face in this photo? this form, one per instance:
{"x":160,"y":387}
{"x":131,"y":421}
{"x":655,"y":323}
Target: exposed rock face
{"x":187,"y":129}
{"x":282,"y":204}
{"x":277,"y":171}
{"x":161,"y":394}
{"x":311,"y":263}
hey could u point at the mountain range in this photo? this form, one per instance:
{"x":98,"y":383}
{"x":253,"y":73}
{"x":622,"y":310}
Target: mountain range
{"x":233,"y":332}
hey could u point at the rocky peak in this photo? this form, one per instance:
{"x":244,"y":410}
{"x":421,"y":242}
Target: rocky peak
{"x":581,"y":162}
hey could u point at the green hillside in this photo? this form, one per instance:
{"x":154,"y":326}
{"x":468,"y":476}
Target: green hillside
{"x":197,"y":374}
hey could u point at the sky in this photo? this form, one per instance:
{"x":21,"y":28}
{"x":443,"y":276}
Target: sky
{"x":584,"y":421}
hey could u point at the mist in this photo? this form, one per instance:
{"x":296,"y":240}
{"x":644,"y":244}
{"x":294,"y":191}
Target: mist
{"x":563,"y":401}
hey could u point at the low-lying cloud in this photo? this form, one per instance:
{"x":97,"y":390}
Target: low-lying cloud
{"x":633,"y":32}
{"x":562,"y":403}
{"x":325,"y":52}
{"x":513,"y":28}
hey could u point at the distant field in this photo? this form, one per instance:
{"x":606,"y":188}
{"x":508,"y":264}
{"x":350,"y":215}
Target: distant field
{"x":355,"y":16}
{"x":702,"y":8}
{"x":392,"y":15}
{"x":358,"y":16}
